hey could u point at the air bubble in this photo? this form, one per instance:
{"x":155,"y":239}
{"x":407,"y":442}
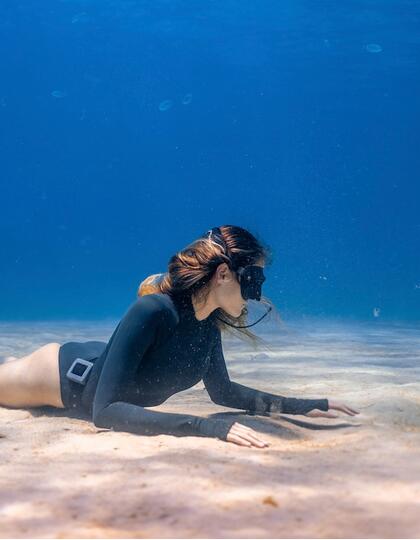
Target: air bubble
{"x":165,"y":105}
{"x":373,"y":48}
{"x":186,"y":100}
{"x":58,"y":94}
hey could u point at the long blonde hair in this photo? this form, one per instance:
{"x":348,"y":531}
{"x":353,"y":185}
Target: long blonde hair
{"x":191,"y":269}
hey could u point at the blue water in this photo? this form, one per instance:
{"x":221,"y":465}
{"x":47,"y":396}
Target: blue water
{"x":129,"y":128}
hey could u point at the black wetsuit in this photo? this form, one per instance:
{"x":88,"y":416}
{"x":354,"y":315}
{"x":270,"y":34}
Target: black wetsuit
{"x":159,"y":348}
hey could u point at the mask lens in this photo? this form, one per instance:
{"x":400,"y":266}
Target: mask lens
{"x":251,"y":280}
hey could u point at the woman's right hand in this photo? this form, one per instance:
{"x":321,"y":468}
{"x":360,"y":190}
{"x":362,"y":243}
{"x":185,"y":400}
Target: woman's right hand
{"x":245,"y":436}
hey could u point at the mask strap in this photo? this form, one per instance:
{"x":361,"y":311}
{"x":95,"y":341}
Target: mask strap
{"x":217,"y":239}
{"x":249,"y":325}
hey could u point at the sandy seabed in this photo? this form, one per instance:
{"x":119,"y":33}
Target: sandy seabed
{"x":350,"y":477}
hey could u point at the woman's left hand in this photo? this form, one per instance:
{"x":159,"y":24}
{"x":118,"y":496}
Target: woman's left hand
{"x":337,"y":405}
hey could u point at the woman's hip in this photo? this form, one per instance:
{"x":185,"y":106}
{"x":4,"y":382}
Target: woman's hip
{"x":72,"y":391}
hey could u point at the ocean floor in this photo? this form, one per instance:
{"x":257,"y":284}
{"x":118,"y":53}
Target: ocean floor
{"x":357,"y":477}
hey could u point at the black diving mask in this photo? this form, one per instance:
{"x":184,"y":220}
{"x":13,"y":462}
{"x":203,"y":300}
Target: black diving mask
{"x":251,"y":279}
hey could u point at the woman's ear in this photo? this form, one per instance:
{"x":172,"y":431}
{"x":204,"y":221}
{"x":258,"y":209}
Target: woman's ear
{"x":225,"y":270}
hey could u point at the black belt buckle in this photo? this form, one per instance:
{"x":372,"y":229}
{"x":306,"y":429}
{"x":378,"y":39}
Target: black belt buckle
{"x":79,"y":370}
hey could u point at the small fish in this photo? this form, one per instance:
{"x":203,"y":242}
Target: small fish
{"x":58,"y":94}
{"x":186,"y":100}
{"x":373,"y":48}
{"x":165,"y":105}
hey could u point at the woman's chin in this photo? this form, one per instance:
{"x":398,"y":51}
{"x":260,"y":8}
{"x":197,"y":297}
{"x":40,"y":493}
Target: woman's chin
{"x":235,"y":313}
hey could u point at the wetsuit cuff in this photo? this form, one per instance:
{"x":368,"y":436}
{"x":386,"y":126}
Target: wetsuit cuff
{"x":321,"y":404}
{"x":296,"y":406}
{"x":219,"y":428}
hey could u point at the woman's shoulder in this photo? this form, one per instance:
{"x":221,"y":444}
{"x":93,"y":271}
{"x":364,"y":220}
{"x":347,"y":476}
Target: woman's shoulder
{"x":158,"y":304}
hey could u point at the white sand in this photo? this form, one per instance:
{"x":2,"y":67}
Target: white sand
{"x":349,"y":477}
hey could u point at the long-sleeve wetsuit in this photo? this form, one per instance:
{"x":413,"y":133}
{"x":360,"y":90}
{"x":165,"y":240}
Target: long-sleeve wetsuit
{"x":159,"y":348}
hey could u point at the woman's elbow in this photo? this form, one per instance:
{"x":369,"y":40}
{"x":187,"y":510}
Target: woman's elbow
{"x":217,"y":398}
{"x":98,"y":417}
{"x":98,"y":421}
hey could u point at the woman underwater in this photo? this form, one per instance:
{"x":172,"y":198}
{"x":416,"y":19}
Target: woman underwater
{"x":168,"y":340}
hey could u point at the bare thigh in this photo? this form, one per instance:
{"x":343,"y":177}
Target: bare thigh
{"x":33,"y":380}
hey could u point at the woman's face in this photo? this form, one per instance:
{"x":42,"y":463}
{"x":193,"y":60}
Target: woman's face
{"x":227,"y":290}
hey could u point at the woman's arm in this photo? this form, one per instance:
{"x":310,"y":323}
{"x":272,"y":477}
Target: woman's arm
{"x":136,"y":332}
{"x":225,"y":392}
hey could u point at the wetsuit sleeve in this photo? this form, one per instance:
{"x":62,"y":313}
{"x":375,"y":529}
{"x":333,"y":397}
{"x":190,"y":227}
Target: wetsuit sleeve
{"x":138,"y":330}
{"x":225,"y":392}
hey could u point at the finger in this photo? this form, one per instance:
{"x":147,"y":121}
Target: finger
{"x":251,"y":438}
{"x":242,"y":426}
{"x":255,"y":440}
{"x":343,"y":408}
{"x":245,"y":442}
{"x":252,"y":432}
{"x":354,"y":410}
{"x":313,"y":412}
{"x":347,"y":410}
{"x":238,"y":440}
{"x":249,"y":431}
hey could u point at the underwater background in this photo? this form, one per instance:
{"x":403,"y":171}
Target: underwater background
{"x":129,"y":128}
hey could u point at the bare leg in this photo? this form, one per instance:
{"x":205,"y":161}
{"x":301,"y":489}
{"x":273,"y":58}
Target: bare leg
{"x":33,"y":380}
